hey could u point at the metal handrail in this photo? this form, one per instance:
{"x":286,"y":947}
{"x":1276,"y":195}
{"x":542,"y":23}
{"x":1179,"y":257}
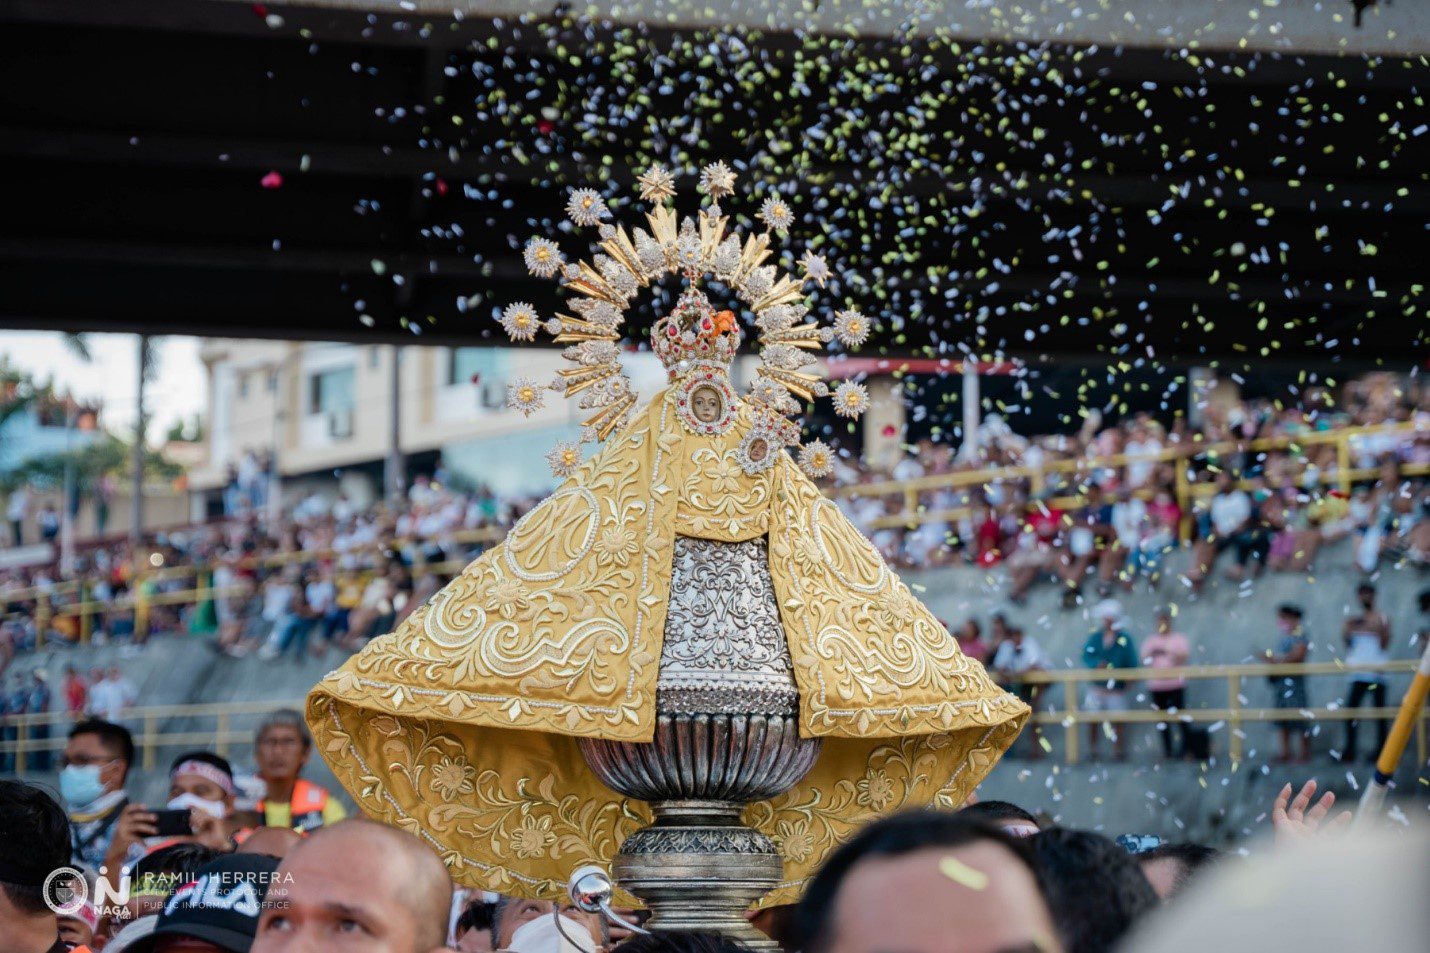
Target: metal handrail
{"x":1234,"y":714}
{"x":912,"y":514}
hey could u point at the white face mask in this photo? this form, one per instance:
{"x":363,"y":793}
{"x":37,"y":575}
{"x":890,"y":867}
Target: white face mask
{"x":212,"y":808}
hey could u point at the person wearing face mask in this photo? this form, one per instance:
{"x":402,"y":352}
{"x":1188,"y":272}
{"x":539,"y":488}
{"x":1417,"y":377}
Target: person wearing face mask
{"x":93,"y":769}
{"x":203,"y":782}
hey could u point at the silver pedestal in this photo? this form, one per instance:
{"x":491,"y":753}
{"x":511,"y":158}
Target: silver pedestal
{"x":727,"y":734}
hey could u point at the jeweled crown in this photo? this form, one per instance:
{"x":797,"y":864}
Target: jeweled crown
{"x":695,"y":332}
{"x":699,"y":246}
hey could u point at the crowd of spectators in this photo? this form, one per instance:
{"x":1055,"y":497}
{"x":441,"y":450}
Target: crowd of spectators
{"x":1272,"y":509}
{"x":211,"y":874}
{"x":328,"y":573}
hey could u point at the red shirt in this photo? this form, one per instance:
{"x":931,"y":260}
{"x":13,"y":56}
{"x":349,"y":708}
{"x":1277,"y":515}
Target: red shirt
{"x":1044,"y":524}
{"x":75,"y":694}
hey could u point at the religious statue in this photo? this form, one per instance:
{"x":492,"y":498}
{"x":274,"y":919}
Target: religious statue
{"x":686,"y":631}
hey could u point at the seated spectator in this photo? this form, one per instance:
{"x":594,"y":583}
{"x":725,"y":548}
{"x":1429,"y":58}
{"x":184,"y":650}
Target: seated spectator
{"x":34,"y":842}
{"x":358,"y":885}
{"x":1232,"y":523}
{"x":1008,"y":817}
{"x":1170,"y":867}
{"x":218,"y":911}
{"x":1041,"y":548}
{"x":1289,"y":691}
{"x":913,"y":881}
{"x":1095,"y":889}
{"x":1109,"y":646}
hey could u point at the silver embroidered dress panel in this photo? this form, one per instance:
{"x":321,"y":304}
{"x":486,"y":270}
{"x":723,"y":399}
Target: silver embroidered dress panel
{"x":725,"y":649}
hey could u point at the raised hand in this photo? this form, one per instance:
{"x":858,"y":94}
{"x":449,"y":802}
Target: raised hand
{"x":1300,"y":820}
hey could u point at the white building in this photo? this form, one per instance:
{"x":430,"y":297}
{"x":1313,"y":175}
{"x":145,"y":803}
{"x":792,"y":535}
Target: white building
{"x":323,"y":411}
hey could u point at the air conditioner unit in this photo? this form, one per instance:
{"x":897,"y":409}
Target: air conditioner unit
{"x":340,"y":424}
{"x":491,"y":396}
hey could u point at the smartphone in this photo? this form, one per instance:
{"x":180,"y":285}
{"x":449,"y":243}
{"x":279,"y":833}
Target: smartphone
{"x":173,"y":823}
{"x":1138,"y":843}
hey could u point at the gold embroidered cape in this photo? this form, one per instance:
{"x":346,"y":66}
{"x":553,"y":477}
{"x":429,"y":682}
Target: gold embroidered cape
{"x":461,"y":726}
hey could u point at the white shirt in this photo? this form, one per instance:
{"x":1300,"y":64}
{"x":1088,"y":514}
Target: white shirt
{"x":1011,"y":658}
{"x":1229,"y":511}
{"x":1365,"y":649}
{"x":1139,"y":470}
{"x":1129,"y":519}
{"x":108,"y":698}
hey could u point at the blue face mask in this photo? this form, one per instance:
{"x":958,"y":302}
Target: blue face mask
{"x":80,"y":784}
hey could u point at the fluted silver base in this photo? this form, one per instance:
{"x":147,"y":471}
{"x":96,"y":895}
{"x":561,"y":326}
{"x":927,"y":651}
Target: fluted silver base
{"x":697,"y":866}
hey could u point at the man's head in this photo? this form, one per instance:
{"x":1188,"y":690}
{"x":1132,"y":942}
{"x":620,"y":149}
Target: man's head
{"x":512,"y":913}
{"x":1225,"y":480}
{"x":204,"y":780}
{"x":1365,"y":592}
{"x":34,"y":842}
{"x":911,"y":881}
{"x":1108,"y":613}
{"x":1095,"y":888}
{"x":1170,"y":867}
{"x":358,"y":886}
{"x":1005,"y":815}
{"x":156,"y":876}
{"x":96,"y":761}
{"x":473,"y":930}
{"x":1288,"y":616}
{"x":272,"y":841}
{"x":282,"y":745}
{"x":218,"y":910}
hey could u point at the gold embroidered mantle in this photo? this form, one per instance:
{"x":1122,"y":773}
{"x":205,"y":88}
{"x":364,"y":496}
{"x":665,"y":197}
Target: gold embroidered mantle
{"x":461,"y":725}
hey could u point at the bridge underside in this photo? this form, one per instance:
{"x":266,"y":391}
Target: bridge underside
{"x":1236,"y":206}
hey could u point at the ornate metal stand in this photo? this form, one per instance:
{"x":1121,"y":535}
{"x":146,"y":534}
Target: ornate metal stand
{"x":727,"y":734}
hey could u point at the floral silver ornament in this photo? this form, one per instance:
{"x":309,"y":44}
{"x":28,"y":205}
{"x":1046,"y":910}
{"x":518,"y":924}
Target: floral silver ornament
{"x":851,"y":399}
{"x":543,"y":258}
{"x":852,"y":328}
{"x":776,"y":214}
{"x":524,"y":394}
{"x":520,"y":322}
{"x":816,"y":459}
{"x":586,"y":207}
{"x":564,"y":458}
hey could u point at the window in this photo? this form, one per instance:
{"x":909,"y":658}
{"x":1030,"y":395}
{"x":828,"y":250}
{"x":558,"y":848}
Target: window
{"x":466,"y":363}
{"x":332,"y":390}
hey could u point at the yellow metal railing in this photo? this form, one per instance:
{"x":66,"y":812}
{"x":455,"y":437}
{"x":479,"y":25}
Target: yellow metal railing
{"x":1235,"y":714}
{"x":141,"y":598}
{"x":912,"y":513}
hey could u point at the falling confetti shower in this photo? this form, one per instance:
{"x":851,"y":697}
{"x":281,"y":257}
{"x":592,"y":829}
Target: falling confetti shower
{"x":986,"y":199}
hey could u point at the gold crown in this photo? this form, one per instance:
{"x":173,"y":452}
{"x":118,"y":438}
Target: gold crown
{"x":698,"y":247}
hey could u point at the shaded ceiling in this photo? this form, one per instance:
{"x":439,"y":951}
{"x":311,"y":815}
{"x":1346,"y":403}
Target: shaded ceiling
{"x":134,"y":141}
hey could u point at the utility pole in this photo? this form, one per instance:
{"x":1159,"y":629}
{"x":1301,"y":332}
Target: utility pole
{"x":971,"y":400}
{"x":136,"y":504}
{"x":394,"y":465}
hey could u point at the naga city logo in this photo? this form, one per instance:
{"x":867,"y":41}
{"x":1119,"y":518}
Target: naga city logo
{"x":66,"y":891}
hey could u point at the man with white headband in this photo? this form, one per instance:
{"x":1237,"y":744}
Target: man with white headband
{"x":203,"y":782}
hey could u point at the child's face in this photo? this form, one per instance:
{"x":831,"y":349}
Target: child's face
{"x":706,"y":405}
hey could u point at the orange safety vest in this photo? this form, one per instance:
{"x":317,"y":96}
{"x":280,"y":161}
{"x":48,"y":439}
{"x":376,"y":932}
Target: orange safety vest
{"x":306,"y":807}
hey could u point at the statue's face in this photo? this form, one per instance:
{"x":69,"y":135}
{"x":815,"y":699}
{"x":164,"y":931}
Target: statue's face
{"x":705,"y":403}
{"x":759,"y":449}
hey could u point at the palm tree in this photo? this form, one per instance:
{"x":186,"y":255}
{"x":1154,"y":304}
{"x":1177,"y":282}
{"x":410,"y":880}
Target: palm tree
{"x":148,"y":354}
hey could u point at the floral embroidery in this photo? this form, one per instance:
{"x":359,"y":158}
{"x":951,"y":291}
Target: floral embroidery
{"x":452,"y":777}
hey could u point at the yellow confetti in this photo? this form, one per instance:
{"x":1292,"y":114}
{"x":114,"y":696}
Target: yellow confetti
{"x":960,"y":873}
